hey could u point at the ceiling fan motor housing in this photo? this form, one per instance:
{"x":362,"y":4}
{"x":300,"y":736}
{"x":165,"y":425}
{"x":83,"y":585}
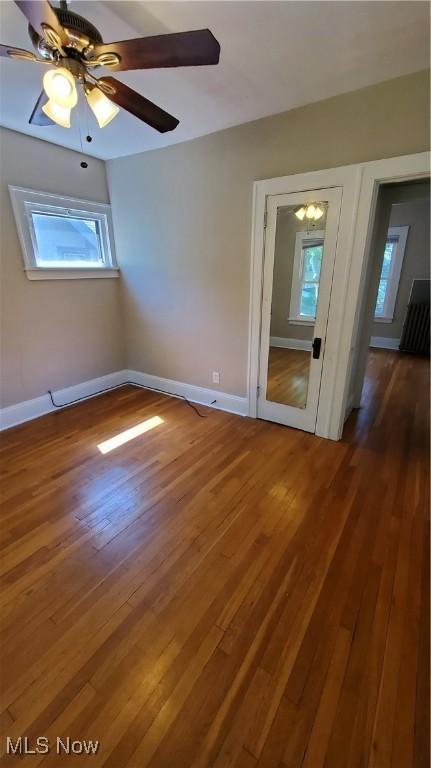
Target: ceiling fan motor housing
{"x":81,"y":33}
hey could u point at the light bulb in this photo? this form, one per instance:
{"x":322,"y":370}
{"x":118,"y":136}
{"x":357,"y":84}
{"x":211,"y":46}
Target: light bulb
{"x":318,"y":212}
{"x":59,"y":86}
{"x":104,"y":110}
{"x":310,"y":211}
{"x":57,"y":113}
{"x":300,"y":213}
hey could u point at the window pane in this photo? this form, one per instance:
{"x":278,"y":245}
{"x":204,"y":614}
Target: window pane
{"x":387,"y":258}
{"x":312,"y":261}
{"x":381,"y":295}
{"x":67,"y":241}
{"x":309,"y":294}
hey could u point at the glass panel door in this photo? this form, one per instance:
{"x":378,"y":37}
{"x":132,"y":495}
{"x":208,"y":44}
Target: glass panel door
{"x":299,"y":260}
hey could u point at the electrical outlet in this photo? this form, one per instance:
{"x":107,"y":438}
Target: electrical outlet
{"x":216,"y":377}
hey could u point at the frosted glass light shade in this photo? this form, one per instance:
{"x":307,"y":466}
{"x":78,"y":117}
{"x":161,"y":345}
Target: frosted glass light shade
{"x":104,"y":109}
{"x":59,"y":86}
{"x":60,"y":115}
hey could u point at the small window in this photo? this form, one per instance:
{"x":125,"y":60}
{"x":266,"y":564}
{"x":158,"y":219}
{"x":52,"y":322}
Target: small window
{"x":390,"y":274}
{"x":306,"y":277}
{"x":63,"y":237}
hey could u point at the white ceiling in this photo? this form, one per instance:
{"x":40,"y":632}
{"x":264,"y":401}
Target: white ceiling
{"x":274,"y":56}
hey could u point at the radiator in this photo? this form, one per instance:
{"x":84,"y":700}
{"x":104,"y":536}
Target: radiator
{"x":416,"y":330}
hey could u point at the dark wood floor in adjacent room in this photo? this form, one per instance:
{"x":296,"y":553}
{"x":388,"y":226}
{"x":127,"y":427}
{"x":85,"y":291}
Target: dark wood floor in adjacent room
{"x":220,"y":591}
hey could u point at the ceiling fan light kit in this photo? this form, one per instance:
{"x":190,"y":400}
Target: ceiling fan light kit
{"x":75,"y":50}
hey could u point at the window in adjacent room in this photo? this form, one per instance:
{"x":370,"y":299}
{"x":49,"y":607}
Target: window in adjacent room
{"x":390,"y":274}
{"x":63,"y":237}
{"x":306,"y":277}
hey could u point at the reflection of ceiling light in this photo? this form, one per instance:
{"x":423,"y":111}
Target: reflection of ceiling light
{"x":300,"y":213}
{"x":104,"y":110}
{"x":311,"y":211}
{"x":59,"y":86}
{"x":57,"y":113}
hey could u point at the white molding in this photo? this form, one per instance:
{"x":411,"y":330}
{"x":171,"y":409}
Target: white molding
{"x":48,"y":273}
{"x":383,"y":342}
{"x":27,"y":410}
{"x":285,"y":343}
{"x":200,"y":395}
{"x":39,"y":406}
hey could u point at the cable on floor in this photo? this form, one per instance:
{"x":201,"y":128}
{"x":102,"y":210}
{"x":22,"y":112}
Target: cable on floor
{"x":117,"y":386}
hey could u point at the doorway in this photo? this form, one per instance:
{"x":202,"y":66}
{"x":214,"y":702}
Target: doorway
{"x":300,"y":250}
{"x":394,"y":318}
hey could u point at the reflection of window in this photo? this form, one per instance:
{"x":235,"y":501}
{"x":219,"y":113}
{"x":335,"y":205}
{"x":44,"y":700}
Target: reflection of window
{"x":390,"y":273}
{"x":63,"y":237}
{"x":306,"y":276}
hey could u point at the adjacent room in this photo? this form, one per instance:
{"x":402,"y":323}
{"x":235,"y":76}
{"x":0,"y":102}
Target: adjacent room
{"x":214,"y":392}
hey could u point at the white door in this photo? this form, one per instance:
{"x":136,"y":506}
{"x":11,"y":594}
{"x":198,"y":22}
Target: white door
{"x":300,"y":247}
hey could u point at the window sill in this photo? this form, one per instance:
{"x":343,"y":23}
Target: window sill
{"x":299,"y":321}
{"x":383,"y":319}
{"x":46,"y":273}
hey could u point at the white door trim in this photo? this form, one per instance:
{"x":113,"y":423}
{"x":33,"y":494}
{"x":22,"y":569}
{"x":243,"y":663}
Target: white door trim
{"x":393,"y":169}
{"x":360,"y":184}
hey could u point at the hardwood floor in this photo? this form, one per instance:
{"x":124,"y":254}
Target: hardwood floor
{"x":220,"y":591}
{"x":288,"y":371}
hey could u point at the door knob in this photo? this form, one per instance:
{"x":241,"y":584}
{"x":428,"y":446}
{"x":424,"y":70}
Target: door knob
{"x":317,"y":343}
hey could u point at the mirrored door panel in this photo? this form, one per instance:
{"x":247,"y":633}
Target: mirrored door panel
{"x":298,"y":256}
{"x":298,"y":265}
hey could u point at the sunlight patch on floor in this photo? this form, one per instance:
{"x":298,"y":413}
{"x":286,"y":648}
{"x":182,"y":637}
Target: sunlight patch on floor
{"x":129,"y":434}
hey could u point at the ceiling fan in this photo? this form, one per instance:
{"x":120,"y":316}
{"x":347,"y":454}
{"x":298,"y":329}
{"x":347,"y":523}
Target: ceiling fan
{"x":74,"y":49}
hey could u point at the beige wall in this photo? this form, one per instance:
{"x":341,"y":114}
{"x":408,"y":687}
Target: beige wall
{"x":416,"y":264}
{"x":54,"y":333}
{"x":183,"y":215}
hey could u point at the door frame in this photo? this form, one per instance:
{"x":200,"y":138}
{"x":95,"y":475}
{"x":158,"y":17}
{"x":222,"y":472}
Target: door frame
{"x":360,"y":184}
{"x":390,"y":170}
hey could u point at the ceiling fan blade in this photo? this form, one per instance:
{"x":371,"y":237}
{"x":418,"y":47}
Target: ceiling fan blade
{"x":39,"y":12}
{"x":181,"y":49}
{"x":9,"y":51}
{"x":38,"y":117}
{"x":137,"y":105}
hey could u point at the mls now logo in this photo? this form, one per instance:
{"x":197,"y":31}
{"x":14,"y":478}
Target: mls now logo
{"x":42,"y":746}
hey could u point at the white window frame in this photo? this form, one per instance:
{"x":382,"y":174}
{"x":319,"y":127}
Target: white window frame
{"x":393,"y":279}
{"x":295,"y":296}
{"x":25,"y":202}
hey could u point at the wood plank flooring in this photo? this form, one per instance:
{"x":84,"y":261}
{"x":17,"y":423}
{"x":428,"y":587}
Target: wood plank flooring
{"x":288,"y":371}
{"x":220,"y":591}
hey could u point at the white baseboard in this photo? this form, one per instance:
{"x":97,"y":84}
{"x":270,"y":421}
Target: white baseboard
{"x":16,"y":414}
{"x":39,"y":406}
{"x":201,"y":395}
{"x":279,"y":341}
{"x":383,"y":342}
